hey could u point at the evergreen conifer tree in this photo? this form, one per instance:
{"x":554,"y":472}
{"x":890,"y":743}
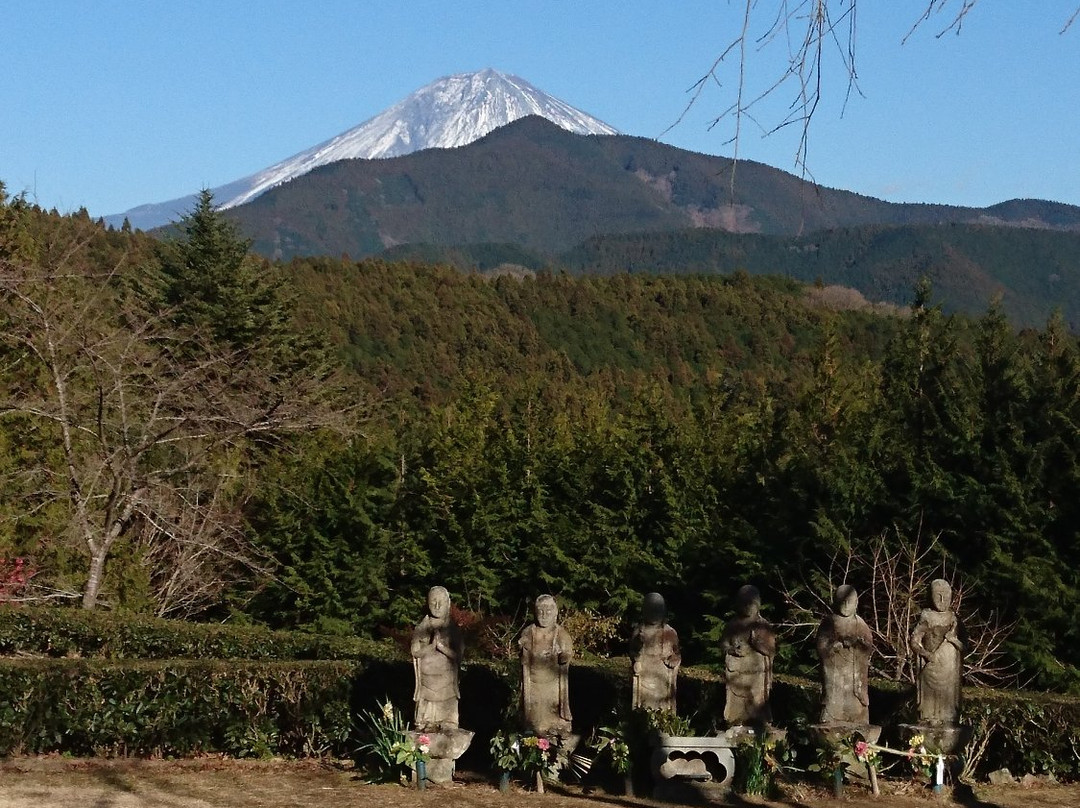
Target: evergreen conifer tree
{"x":213,"y":283}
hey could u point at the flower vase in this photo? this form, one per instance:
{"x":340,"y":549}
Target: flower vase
{"x":421,"y":774}
{"x":628,"y":785}
{"x":504,"y":782}
{"x":838,"y":782}
{"x":539,"y":783}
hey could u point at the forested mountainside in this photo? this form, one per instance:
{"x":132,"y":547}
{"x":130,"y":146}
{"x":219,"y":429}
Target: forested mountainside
{"x":595,"y":437}
{"x":542,"y":188}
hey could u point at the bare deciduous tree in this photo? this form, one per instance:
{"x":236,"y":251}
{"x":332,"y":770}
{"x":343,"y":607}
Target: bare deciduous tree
{"x":155,"y":422}
{"x":821,"y":38}
{"x":892,"y":573}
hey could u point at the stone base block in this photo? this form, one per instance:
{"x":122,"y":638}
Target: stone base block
{"x":841,"y":731}
{"x":445,"y":747}
{"x":748,"y":734}
{"x":938,"y":738}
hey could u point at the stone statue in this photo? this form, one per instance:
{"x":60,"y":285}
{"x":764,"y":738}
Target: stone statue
{"x":845,"y":644}
{"x":546,"y":651}
{"x":437,"y":648}
{"x":654,"y":654}
{"x":749,"y":645}
{"x":939,"y":641}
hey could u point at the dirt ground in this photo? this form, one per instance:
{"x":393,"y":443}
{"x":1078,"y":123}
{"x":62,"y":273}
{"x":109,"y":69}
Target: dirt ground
{"x":212,"y":783}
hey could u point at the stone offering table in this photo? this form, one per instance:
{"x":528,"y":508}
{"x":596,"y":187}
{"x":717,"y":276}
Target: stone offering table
{"x":692,"y":767}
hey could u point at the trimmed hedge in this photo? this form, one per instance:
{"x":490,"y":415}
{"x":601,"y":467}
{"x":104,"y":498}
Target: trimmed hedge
{"x":212,"y":688}
{"x":57,"y":632}
{"x":1036,"y":733}
{"x":176,"y":707}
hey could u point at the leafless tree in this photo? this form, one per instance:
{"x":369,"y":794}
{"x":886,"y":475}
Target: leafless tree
{"x":892,"y":573}
{"x":154,"y":423}
{"x":821,"y":38}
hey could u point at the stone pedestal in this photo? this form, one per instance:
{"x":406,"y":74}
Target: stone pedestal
{"x":940,"y":739}
{"x":839,"y":732}
{"x":446,"y":746}
{"x":692,"y":767}
{"x":748,"y":734}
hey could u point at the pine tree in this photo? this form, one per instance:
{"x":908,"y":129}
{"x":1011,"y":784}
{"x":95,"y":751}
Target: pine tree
{"x":213,"y":283}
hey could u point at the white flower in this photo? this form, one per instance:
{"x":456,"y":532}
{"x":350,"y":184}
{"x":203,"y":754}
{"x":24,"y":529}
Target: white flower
{"x":515,"y":746}
{"x":424,"y":748}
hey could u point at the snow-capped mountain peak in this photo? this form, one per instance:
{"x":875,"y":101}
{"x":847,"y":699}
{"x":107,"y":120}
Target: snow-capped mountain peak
{"x":451,"y":111}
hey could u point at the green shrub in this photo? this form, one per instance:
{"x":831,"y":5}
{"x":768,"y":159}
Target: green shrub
{"x":57,"y":632}
{"x":176,"y":707}
{"x":1036,"y":733}
{"x":250,"y":691}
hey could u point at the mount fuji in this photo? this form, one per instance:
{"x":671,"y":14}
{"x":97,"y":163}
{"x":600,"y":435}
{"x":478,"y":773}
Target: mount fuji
{"x":451,"y":111}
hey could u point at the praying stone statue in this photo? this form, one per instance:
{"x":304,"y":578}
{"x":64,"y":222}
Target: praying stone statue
{"x":845,"y":644}
{"x":654,"y":654}
{"x":436,"y":648}
{"x":546,"y":651}
{"x":749,"y":645}
{"x":938,"y":639}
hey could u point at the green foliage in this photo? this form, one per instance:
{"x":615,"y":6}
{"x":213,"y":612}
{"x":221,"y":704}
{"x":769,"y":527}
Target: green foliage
{"x":601,"y":437}
{"x":389,"y":752}
{"x":326,"y":515}
{"x":1034,"y":733}
{"x":174,"y":707}
{"x":504,"y":749}
{"x":759,"y":762}
{"x":621,"y":204}
{"x":592,"y":632}
{"x":136,"y":427}
{"x":57,"y":632}
{"x":968,"y":263}
{"x":527,"y":755}
{"x":212,"y":283}
{"x":665,"y":722}
{"x":612,"y":742}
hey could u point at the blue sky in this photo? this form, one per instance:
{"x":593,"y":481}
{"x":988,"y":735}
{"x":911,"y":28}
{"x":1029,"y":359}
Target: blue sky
{"x":114,"y":103}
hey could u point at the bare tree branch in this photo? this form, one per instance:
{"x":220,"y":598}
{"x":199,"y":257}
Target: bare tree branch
{"x":153,"y":422}
{"x":821,"y":43}
{"x":893,"y":573}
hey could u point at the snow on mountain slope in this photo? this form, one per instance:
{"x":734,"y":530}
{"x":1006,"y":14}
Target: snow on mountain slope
{"x":452,"y":111}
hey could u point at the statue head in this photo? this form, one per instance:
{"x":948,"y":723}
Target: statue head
{"x":438,"y":602}
{"x":940,"y":595}
{"x":653,"y":610}
{"x":748,"y":601}
{"x":846,"y":600}
{"x":547,"y":611}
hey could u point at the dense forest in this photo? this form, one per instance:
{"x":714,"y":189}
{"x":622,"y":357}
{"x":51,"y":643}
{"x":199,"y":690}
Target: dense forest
{"x":314,"y":444}
{"x":1032,"y":271}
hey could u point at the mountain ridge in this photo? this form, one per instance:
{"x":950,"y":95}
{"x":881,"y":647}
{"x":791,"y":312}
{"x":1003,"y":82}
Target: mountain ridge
{"x":533,"y":184}
{"x":449,"y":112}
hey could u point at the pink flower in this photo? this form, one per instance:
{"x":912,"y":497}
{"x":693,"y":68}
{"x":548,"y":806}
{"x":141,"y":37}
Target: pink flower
{"x":543,"y":743}
{"x":423,"y":740}
{"x":861,"y":749}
